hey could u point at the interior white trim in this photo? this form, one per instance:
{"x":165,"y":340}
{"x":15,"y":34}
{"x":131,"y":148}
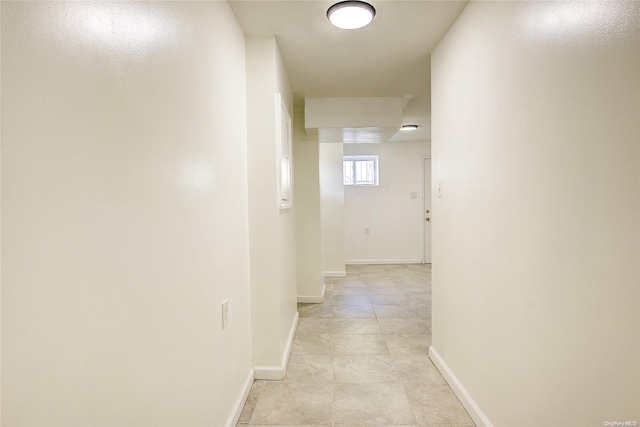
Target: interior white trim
{"x":276,"y":373}
{"x":270,"y":373}
{"x":469,"y":404}
{"x":335,"y":274}
{"x":240,"y":401}
{"x":313,"y":299}
{"x":382,"y":261}
{"x":424,"y":207}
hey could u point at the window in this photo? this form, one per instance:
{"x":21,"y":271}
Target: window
{"x":360,"y":170}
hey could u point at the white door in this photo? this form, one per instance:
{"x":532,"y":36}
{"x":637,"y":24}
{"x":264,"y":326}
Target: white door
{"x":426,"y":212}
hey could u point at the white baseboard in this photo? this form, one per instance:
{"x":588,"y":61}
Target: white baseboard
{"x":469,"y":404}
{"x":276,"y":373}
{"x":269,"y":373}
{"x":335,"y":274}
{"x":313,"y":299}
{"x":382,"y":261}
{"x":240,"y":401}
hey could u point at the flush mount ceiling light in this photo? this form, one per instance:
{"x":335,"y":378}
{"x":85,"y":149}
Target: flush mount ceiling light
{"x":350,"y":15}
{"x":409,"y":127}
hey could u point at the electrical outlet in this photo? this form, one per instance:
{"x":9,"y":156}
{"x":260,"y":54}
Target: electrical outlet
{"x":366,"y":231}
{"x":225,"y":314}
{"x":413,"y":195}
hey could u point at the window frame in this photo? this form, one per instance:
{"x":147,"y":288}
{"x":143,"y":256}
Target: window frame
{"x":353,"y":160}
{"x":284,"y":151}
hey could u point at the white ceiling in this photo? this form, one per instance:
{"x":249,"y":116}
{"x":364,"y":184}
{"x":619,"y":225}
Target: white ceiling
{"x":389,"y":57}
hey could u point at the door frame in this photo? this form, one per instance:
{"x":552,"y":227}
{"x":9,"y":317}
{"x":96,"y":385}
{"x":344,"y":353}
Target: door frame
{"x":424,"y":206}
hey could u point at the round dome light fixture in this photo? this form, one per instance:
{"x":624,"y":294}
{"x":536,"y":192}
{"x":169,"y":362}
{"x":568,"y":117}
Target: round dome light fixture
{"x":350,"y":15}
{"x":409,"y":127}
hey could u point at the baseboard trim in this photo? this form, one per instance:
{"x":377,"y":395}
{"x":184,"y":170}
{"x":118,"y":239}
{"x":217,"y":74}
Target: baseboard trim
{"x":382,"y":261}
{"x":469,"y":404}
{"x":269,"y":373}
{"x":335,"y":274}
{"x":276,"y":373}
{"x":313,"y":299}
{"x":240,"y":401}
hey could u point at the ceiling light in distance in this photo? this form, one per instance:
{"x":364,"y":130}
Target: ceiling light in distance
{"x":409,"y":127}
{"x":350,"y":15}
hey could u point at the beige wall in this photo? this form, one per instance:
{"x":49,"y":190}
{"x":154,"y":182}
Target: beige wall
{"x":332,"y":208}
{"x":307,"y":199}
{"x":393,"y":218}
{"x":124,"y":214}
{"x":271,"y":230}
{"x":536,"y":286}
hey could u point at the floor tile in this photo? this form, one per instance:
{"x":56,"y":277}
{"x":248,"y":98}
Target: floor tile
{"x":393,"y":311}
{"x":336,"y":375}
{"x":359,"y":344}
{"x":309,"y":368}
{"x":353,"y":310}
{"x":293,"y":403}
{"x":403,"y":281}
{"x":396,"y":267}
{"x":383,"y":290}
{"x":436,"y":405}
{"x":312,"y":344}
{"x":315,"y":325}
{"x":364,"y":369}
{"x":390,"y":299}
{"x":402,"y":345}
{"x":347,"y":281}
{"x":354,"y":325}
{"x":410,"y":326}
{"x":416,"y":303}
{"x":417,"y":368}
{"x":250,"y":404}
{"x":367,"y":269}
{"x":377,"y":281}
{"x":416,"y":288}
{"x":349,"y":290}
{"x":315,"y":310}
{"x":349,"y":300}
{"x":382,"y":403}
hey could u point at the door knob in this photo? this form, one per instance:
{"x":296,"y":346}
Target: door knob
{"x":428,"y":219}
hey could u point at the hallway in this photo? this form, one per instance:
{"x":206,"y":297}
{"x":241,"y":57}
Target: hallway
{"x":361,"y":358}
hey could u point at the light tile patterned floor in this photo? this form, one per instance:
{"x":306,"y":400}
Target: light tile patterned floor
{"x":361,"y":359}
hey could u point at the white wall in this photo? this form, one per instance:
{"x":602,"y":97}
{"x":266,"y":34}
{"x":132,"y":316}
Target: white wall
{"x":332,"y":209}
{"x":536,"y":285}
{"x":271,"y":230}
{"x":124,"y":214}
{"x":308,"y":228}
{"x":286,"y":227}
{"x":394,"y":219}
